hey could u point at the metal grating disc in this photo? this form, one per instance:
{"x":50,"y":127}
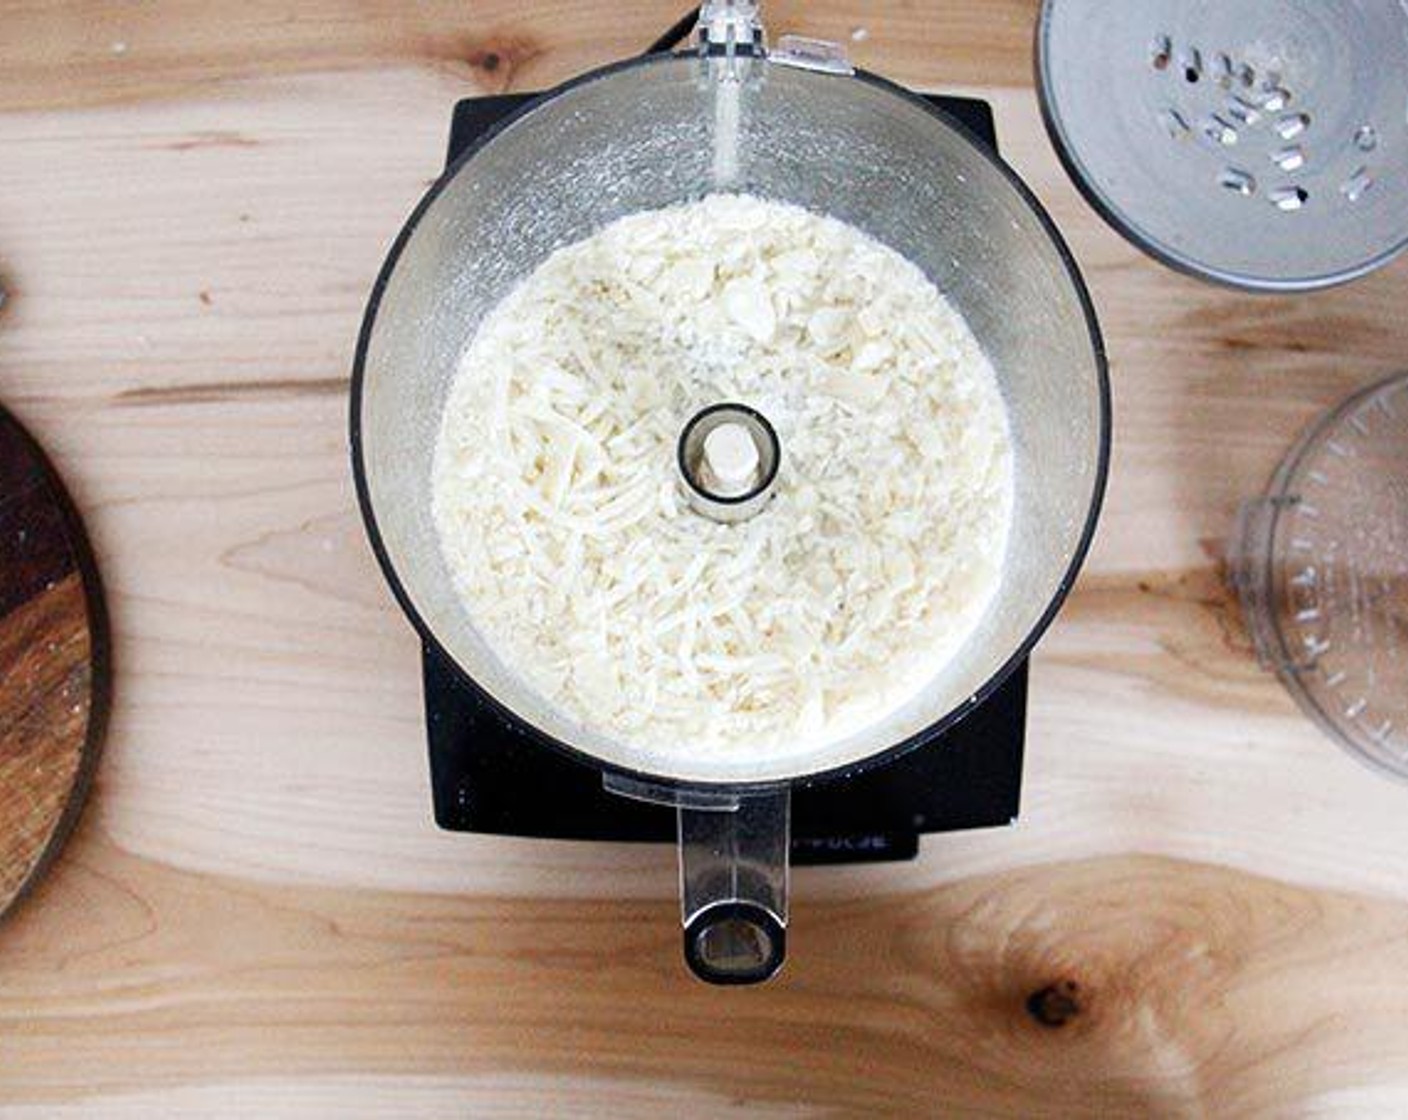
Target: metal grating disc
{"x":1259,"y":143}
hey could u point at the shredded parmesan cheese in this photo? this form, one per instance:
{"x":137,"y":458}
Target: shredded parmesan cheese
{"x":557,"y":502}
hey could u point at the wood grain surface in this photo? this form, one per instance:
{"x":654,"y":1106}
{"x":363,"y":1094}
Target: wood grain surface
{"x":1202,"y":911}
{"x":53,"y":664}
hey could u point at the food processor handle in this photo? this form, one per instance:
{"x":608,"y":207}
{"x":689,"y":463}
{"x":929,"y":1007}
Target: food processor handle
{"x":733,"y":886}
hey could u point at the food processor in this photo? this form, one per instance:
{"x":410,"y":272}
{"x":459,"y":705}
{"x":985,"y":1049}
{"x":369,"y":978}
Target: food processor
{"x":794,"y":123}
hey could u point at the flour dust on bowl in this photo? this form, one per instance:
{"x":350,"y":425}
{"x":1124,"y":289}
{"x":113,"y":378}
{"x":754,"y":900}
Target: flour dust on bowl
{"x":730,"y":421}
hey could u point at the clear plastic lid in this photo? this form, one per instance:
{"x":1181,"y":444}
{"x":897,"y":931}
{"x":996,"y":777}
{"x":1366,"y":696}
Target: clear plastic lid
{"x":1321,"y":565}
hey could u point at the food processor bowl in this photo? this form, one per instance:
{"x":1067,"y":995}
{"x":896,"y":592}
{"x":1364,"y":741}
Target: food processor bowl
{"x":639,"y":136}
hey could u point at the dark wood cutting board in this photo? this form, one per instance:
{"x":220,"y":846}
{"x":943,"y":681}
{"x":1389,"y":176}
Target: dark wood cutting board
{"x":54,"y":663}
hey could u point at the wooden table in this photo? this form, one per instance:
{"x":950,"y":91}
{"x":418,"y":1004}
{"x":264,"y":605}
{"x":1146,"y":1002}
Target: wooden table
{"x":257,"y":916}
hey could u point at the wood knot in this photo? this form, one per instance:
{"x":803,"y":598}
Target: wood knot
{"x":496,"y":62}
{"x":1056,"y":1004}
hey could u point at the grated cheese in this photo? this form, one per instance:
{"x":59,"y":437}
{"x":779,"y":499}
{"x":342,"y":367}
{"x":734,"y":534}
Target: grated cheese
{"x":558,"y":510}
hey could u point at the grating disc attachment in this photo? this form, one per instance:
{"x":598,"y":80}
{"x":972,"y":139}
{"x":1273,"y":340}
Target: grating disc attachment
{"x":1259,"y":143}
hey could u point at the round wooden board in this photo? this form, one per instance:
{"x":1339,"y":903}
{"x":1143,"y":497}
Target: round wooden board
{"x":53,"y":663}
